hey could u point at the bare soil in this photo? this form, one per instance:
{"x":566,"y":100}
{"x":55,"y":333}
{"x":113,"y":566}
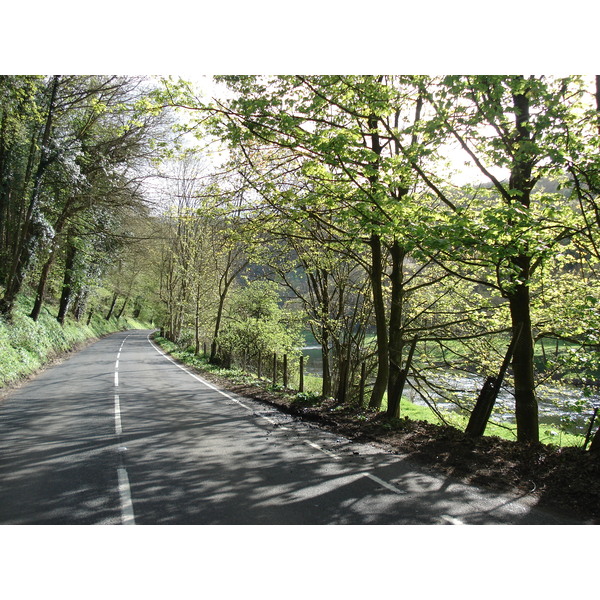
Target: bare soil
{"x":564,"y":480}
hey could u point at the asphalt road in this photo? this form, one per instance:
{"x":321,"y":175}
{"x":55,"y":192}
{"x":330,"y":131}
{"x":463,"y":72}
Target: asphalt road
{"x":120,"y":434}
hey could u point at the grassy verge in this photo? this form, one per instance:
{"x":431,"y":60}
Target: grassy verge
{"x":508,"y":431}
{"x":27,"y":345}
{"x":415,"y":412}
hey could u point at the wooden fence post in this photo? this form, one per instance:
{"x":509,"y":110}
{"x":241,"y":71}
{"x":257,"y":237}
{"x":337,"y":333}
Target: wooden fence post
{"x":301,"y":384}
{"x":285,"y":371}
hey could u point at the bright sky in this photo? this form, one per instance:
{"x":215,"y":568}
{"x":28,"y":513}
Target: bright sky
{"x":315,"y":36}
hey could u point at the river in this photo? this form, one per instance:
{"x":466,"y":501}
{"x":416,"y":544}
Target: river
{"x":561,"y":406}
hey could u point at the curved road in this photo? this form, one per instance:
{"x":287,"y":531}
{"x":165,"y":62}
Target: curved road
{"x":119,"y":433}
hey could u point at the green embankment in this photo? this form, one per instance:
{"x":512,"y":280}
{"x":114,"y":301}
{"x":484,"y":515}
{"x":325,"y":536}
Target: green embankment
{"x":27,"y":345}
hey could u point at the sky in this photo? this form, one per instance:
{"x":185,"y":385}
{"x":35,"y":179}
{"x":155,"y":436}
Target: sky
{"x":314,"y":36}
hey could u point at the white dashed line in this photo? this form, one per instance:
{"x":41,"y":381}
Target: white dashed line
{"x":127,"y":516}
{"x":118,"y":427}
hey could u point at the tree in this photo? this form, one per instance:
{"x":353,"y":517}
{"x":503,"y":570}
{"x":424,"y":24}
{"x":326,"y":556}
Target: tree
{"x":337,"y":129}
{"x":88,"y":152}
{"x":255,"y":324}
{"x":515,"y":124}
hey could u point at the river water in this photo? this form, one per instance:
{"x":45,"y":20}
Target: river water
{"x":559,"y":405}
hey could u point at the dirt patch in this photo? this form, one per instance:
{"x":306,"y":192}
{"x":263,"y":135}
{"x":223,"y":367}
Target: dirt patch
{"x":564,"y":480}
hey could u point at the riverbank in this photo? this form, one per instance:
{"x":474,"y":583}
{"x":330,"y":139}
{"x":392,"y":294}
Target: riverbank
{"x":565,"y":480}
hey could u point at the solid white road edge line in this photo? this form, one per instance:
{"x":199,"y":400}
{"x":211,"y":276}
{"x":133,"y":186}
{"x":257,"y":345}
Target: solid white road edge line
{"x":127,"y":516}
{"x":374,"y":478}
{"x":212,"y":387}
{"x":317,"y":447}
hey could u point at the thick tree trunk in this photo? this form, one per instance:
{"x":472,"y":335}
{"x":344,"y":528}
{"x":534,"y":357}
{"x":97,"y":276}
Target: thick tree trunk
{"x":80,"y":303}
{"x":41,"y":287}
{"x":376,"y":276}
{"x":67,"y":287}
{"x":526,"y":406}
{"x":396,"y":343}
{"x":213,"y":346}
{"x":123,"y":308}
{"x":394,"y":410}
{"x":345,"y":351}
{"x":112,"y":306}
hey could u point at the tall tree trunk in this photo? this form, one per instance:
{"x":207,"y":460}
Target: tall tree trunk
{"x":376,"y":276}
{"x":217,"y":329}
{"x":67,"y":287}
{"x":41,"y":287}
{"x":197,"y":320}
{"x":24,"y":246}
{"x":323,"y":290}
{"x":80,"y":303}
{"x":112,"y":306}
{"x":526,"y":407}
{"x":396,"y":343}
{"x":123,"y":308}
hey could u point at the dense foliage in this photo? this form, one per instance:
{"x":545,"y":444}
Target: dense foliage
{"x":360,"y":163}
{"x":412,"y":226}
{"x":75,"y":152}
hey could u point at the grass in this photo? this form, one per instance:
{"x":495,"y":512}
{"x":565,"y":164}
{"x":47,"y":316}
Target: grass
{"x":312,"y":383}
{"x":508,"y":431}
{"x":27,"y":345}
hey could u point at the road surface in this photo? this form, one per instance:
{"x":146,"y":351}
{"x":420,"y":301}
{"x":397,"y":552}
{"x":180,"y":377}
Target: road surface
{"x":120,"y":434}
